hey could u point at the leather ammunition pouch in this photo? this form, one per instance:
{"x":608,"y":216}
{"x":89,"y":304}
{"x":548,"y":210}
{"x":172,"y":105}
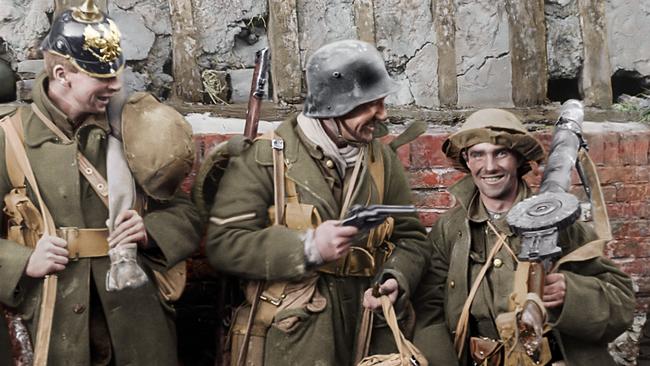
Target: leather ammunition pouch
{"x":485,"y":351}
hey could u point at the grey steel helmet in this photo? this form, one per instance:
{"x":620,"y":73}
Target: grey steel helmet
{"x":343,"y":75}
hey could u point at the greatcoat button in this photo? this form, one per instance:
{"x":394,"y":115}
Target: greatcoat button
{"x":78,"y":308}
{"x":329,"y":164}
{"x":497,"y":263}
{"x":452,"y":283}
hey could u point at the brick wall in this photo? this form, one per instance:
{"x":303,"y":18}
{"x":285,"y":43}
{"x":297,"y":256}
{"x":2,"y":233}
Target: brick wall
{"x":620,"y":151}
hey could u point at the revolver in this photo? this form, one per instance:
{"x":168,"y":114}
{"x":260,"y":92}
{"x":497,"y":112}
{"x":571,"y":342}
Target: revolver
{"x":367,"y":217}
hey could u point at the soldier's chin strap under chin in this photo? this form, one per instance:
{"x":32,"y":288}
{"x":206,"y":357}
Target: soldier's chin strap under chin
{"x":333,"y":131}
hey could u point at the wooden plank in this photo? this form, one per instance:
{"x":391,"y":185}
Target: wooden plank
{"x":187,"y":83}
{"x":596,"y":69}
{"x":286,"y":71}
{"x":444,"y":22}
{"x":544,"y":115}
{"x":364,"y":19}
{"x":528,"y":52}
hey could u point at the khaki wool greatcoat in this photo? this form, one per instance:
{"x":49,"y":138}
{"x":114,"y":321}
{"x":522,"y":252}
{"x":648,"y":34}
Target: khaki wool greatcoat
{"x":140,"y":323}
{"x":599,"y":300}
{"x":245,"y":244}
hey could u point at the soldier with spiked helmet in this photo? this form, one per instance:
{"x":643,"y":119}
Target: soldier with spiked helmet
{"x":66,"y":219}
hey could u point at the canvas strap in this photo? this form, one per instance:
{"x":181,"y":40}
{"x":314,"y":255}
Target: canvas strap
{"x":463,"y":322}
{"x":14,"y":141}
{"x":96,"y":180}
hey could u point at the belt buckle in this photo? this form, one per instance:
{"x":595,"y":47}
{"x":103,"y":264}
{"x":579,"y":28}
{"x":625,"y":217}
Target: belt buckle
{"x":70,"y":234}
{"x":272,"y":300}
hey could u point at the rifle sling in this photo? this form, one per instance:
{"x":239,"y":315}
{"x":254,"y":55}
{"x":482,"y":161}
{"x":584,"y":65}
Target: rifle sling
{"x":14,"y":141}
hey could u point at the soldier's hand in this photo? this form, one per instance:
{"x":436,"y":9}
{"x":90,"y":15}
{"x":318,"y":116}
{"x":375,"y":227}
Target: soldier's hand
{"x":49,"y":256}
{"x":129,"y":229}
{"x":333,"y":241}
{"x":389,"y":288}
{"x":554,"y":290}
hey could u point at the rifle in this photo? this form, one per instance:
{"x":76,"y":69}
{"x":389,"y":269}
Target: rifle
{"x":538,"y":219}
{"x":257,"y":93}
{"x":250,"y":133}
{"x":365,"y":218}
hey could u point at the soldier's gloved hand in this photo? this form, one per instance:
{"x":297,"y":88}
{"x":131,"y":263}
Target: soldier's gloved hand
{"x":389,"y":288}
{"x":332,"y":240}
{"x":554,"y":290}
{"x":129,"y":228}
{"x":49,"y":256}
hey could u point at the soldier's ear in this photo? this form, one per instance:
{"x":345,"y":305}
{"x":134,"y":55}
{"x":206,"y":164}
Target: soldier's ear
{"x":60,"y":74}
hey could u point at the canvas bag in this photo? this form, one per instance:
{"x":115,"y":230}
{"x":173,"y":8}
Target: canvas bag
{"x":408,"y":354}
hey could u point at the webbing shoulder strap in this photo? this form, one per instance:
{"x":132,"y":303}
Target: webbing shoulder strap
{"x":16,"y":175}
{"x":87,"y":169}
{"x":376,"y":168}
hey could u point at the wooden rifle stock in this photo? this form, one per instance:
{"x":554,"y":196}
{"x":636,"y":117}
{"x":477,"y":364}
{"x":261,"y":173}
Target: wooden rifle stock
{"x":257,"y":93}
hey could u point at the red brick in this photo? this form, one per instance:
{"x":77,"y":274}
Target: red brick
{"x":634,"y":148}
{"x":545,"y":138}
{"x":434,"y":178}
{"x":628,"y":248}
{"x":426,"y":151}
{"x":439,"y":199}
{"x":610,"y":174}
{"x":428,"y":216}
{"x":636,"y":228}
{"x":642,"y":174}
{"x":596,"y":143}
{"x":403,"y":152}
{"x":631,"y":192}
{"x":629,"y":210}
{"x":612,"y":149}
{"x":609,"y":193}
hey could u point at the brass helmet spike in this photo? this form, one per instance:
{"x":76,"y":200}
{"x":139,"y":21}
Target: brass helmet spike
{"x":87,"y":13}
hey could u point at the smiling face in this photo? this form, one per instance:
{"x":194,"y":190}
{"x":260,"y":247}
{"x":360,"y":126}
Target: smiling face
{"x":494,"y":170}
{"x":90,"y":94}
{"x":359,"y":124}
{"x":75,"y":92}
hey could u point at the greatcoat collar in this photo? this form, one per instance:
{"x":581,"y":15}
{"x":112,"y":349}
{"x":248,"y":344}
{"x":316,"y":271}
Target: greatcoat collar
{"x":36,"y":133}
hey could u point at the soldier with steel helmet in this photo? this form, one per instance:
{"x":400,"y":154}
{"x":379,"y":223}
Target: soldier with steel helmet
{"x":496,"y":150}
{"x":113,"y":205}
{"x":313,"y":270}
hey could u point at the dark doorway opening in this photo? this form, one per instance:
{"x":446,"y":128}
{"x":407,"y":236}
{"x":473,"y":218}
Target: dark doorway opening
{"x":561,"y":90}
{"x":629,"y":82}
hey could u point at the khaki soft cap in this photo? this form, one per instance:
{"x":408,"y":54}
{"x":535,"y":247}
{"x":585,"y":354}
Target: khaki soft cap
{"x":497,"y":127}
{"x":158,"y":145}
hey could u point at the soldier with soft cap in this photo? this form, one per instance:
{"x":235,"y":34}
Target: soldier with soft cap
{"x":588,"y":301}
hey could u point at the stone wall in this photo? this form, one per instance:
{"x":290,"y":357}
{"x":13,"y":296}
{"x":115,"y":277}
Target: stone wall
{"x":424,"y":43}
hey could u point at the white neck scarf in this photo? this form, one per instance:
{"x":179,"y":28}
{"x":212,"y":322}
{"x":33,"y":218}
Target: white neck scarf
{"x":343,"y":157}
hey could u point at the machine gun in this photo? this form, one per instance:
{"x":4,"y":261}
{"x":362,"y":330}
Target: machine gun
{"x":538,"y":219}
{"x":367,"y":217}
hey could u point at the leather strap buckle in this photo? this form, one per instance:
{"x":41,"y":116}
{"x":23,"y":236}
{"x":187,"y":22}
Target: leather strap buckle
{"x":272,"y":300}
{"x":70,"y":235}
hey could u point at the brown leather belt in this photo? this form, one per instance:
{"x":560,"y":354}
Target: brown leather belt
{"x":85,"y":243}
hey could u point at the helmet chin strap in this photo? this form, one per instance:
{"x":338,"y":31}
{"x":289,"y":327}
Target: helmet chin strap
{"x":333,"y":130}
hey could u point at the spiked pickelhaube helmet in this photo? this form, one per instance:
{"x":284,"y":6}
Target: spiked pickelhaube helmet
{"x":343,"y":75}
{"x":89,"y":39}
